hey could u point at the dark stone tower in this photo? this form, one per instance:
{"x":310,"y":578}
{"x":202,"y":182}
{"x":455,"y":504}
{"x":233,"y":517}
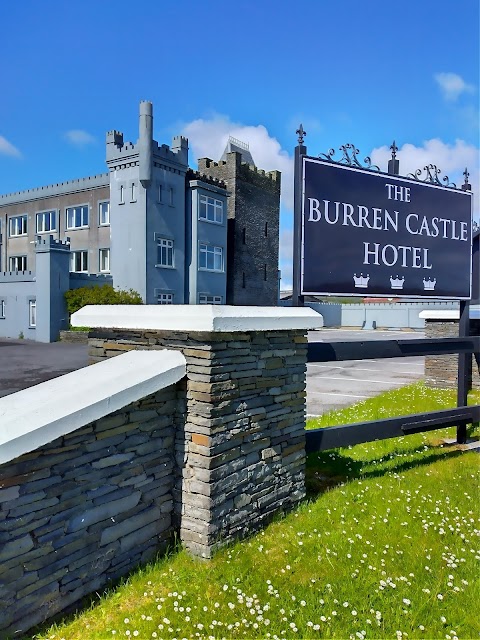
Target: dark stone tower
{"x":253,"y":225}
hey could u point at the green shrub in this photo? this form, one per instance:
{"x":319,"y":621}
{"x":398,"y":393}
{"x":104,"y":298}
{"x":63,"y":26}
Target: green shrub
{"x":106,"y":294}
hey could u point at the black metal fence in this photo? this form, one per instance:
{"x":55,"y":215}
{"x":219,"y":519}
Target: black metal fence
{"x":461,"y":416}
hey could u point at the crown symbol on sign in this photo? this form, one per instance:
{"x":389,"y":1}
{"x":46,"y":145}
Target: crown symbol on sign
{"x":429,"y":285}
{"x":396,"y":283}
{"x":361,"y":281}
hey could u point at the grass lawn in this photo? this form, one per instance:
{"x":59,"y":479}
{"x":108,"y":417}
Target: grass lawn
{"x":386,"y":546}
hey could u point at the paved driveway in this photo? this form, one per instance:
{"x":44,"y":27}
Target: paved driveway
{"x":330,"y":385}
{"x":24,"y":363}
{"x":333,"y":385}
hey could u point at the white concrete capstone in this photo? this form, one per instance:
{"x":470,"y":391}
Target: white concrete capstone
{"x":40,"y":414}
{"x":450,"y":314}
{"x":207,"y":318}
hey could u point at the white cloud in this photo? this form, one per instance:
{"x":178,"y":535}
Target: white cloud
{"x":79,"y":138}
{"x":7,"y":148}
{"x":451,"y":159}
{"x":209,"y":137}
{"x":452,"y":85}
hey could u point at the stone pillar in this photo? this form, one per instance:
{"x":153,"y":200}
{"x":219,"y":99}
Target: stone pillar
{"x":441,"y":372}
{"x":241,"y":455}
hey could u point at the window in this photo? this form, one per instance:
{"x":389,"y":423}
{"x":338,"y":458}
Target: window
{"x":160,"y":193}
{"x":17,"y":226}
{"x":211,"y":258}
{"x":170,"y":196}
{"x":165,"y":298}
{"x":79,"y":261}
{"x":46,"y":221}
{"x":266,"y":229}
{"x":165,"y":253}
{"x":244,"y":236}
{"x":133,"y":193}
{"x":32,"y":313}
{"x":17,"y":263}
{"x":2,"y":309}
{"x":77,"y":217}
{"x":205,"y":298}
{"x":103,"y":213}
{"x":210,"y":209}
{"x":264,"y":271}
{"x":122,"y":194}
{"x":104,"y":260}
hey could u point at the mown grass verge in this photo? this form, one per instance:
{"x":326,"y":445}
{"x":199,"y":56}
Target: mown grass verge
{"x":387,"y":546}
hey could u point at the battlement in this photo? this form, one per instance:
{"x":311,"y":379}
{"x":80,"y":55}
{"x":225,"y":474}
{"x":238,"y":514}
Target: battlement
{"x":117,"y":149}
{"x":17,"y":276}
{"x":115,"y":137}
{"x":180,"y":141}
{"x":260,"y":176}
{"x":60,"y":188}
{"x":208,"y":162}
{"x":232,"y":167}
{"x":130,"y":151}
{"x":49,"y":243}
{"x":198,"y":175}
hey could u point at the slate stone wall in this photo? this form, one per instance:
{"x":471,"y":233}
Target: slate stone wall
{"x":241,"y":454}
{"x":441,"y":372}
{"x":214,"y":457}
{"x":86,"y":508}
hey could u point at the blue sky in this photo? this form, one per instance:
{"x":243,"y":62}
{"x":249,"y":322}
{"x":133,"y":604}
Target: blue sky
{"x":360,"y":72}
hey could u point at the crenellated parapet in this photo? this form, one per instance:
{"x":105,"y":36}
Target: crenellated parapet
{"x":204,"y":177}
{"x":60,"y":188}
{"x":17,"y":276}
{"x":233,"y":167}
{"x":146,"y":152}
{"x":49,"y":243}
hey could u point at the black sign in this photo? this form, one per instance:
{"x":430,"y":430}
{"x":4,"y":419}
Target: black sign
{"x":373,"y":234}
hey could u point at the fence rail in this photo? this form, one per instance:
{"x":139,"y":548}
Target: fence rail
{"x":350,"y":434}
{"x":375,"y":349}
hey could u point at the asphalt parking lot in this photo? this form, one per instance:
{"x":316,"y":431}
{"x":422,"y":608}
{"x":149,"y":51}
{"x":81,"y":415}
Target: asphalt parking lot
{"x":333,"y":385}
{"x":330,"y":385}
{"x":24,"y":363}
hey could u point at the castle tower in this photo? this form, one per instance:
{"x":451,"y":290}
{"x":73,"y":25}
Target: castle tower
{"x":253,"y":225}
{"x":147,"y":203}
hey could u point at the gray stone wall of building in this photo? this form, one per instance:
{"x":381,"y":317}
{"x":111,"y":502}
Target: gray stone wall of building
{"x":86,"y":508}
{"x":241,"y":452}
{"x":441,"y":372}
{"x":253,"y":230}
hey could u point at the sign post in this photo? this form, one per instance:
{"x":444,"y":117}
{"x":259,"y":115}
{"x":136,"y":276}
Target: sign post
{"x":300,"y":153}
